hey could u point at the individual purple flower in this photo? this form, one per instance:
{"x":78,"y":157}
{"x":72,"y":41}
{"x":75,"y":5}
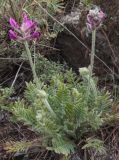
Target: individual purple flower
{"x":13,"y":35}
{"x":95,"y":18}
{"x":36,"y":34}
{"x":24,"y":16}
{"x":13,"y":23}
{"x":27,"y":24}
{"x":28,"y":29}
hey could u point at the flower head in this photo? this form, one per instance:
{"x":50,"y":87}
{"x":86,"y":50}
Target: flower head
{"x":28,"y":29}
{"x":95,"y":18}
{"x":84,"y":71}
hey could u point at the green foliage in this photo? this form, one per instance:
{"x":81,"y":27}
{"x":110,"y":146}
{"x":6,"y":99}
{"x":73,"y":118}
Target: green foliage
{"x":28,"y":116}
{"x":12,"y":147}
{"x":60,"y":145}
{"x":87,"y":2}
{"x":4,"y":94}
{"x":53,"y":5}
{"x":79,"y":107}
{"x":46,"y":69}
{"x":96,"y":144}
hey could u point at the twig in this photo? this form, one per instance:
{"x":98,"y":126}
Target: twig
{"x":16,"y":76}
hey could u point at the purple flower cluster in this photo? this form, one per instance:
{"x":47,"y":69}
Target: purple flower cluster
{"x":26,"y":31}
{"x":95,"y":18}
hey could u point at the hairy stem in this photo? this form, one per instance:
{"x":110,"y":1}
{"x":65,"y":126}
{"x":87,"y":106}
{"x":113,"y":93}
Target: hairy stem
{"x":45,"y":101}
{"x":93,"y":50}
{"x":31,"y":62}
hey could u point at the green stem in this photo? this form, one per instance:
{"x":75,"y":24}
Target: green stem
{"x":93,"y":49}
{"x":31,"y":62}
{"x":45,"y":101}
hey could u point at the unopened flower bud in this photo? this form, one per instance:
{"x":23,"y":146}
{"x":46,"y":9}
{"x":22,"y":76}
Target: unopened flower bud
{"x":42,"y":94}
{"x":75,"y":92}
{"x":84,"y":71}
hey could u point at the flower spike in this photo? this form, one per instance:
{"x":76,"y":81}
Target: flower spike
{"x":26,"y":31}
{"x":95,"y":18}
